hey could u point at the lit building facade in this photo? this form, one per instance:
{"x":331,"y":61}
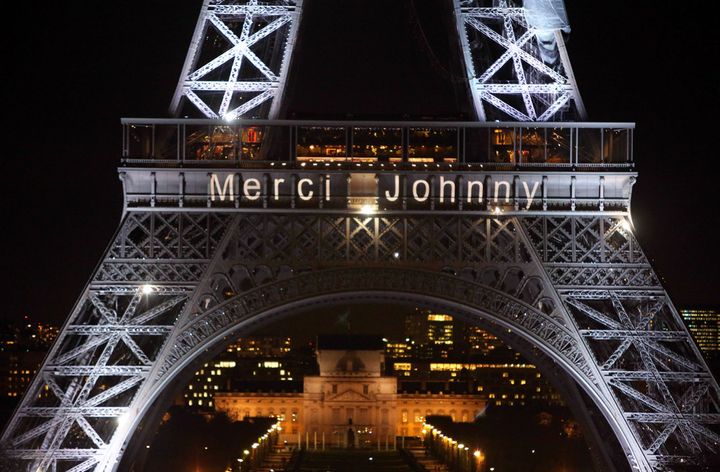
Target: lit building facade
{"x":350,"y":393}
{"x":22,"y":349}
{"x":399,"y":349}
{"x":264,"y":362}
{"x":481,"y":342}
{"x":17,"y":369}
{"x":704,"y":325}
{"x":431,"y":334}
{"x":501,"y":384}
{"x":261,"y":346}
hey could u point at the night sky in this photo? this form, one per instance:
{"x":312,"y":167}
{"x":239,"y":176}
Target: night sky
{"x":76,"y":68}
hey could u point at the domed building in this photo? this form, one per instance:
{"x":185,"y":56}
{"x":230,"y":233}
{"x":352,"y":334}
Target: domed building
{"x":350,"y":403}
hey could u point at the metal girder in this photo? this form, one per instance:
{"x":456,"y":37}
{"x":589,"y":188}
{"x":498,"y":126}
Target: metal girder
{"x":251,"y":9}
{"x":97,"y":412}
{"x":116,"y":370}
{"x":487,"y":264}
{"x":228,"y":85}
{"x":217,"y":86}
{"x":516,"y":82}
{"x":63,"y":454}
{"x":667,"y":376}
{"x":638,"y":341}
{"x":670,"y":417}
{"x":625,"y":334}
{"x":118,"y":328}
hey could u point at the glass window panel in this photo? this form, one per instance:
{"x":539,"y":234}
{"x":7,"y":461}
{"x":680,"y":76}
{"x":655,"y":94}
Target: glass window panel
{"x":533,"y":146}
{"x":211,"y":143}
{"x":140,"y":141}
{"x":589,"y":146}
{"x":323,"y":143}
{"x":165,"y":142}
{"x":558,"y":150}
{"x":251,"y":139}
{"x":615,"y":145}
{"x":377,"y":144}
{"x":432,"y":144}
{"x":502,"y":145}
{"x":477,"y":144}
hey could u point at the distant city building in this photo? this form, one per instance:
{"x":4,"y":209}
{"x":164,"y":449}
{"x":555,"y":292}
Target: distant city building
{"x":435,"y":335}
{"x":22,"y":349}
{"x":261,"y":363}
{"x":704,"y":325}
{"x":480,"y":342}
{"x":503,"y":384}
{"x":261,"y":346}
{"x":443,"y":354}
{"x":432,"y":334}
{"x":439,"y":355}
{"x":17,"y":369}
{"x":350,"y":394}
{"x":399,"y":349}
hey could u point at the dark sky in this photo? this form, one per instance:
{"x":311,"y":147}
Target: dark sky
{"x":75,"y":68}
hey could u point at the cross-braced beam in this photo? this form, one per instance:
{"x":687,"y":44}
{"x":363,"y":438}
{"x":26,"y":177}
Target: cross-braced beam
{"x":508,"y":74}
{"x":230,"y":72}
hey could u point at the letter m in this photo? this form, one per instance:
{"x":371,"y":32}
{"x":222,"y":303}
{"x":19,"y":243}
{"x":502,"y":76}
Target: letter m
{"x":226,"y":190}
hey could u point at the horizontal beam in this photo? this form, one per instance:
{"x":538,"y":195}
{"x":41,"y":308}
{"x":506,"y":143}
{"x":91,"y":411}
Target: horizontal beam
{"x":380,"y":124}
{"x":73,"y":370}
{"x":493,"y":13}
{"x":89,"y":411}
{"x":626,"y":333}
{"x":521,"y":88}
{"x":125,"y":329}
{"x":240,"y":86}
{"x":706,"y":418}
{"x":63,"y":454}
{"x":666,"y":376}
{"x":254,"y":10}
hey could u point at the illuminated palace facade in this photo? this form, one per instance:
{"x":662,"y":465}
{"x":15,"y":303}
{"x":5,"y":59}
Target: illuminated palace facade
{"x":350,"y":392}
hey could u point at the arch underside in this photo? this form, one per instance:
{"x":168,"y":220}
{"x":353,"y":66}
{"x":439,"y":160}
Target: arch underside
{"x":576,"y":287}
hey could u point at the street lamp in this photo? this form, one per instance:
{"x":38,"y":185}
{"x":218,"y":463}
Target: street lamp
{"x":479,"y":459}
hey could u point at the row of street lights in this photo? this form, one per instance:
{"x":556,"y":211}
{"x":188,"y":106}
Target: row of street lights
{"x":453,"y":453}
{"x":254,"y":455}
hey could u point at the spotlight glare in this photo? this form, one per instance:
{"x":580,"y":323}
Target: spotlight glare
{"x":367,"y":209}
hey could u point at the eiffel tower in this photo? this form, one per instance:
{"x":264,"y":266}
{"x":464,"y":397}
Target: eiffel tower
{"x":518,"y":222}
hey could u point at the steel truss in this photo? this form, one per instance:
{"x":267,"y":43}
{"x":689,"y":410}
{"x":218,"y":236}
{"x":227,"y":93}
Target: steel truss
{"x":239,"y":58}
{"x":508,"y":76}
{"x":174,"y":283}
{"x":227,"y":76}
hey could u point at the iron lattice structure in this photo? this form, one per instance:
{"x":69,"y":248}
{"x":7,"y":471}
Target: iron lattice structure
{"x":578,"y":287}
{"x":515,"y":59}
{"x":516,"y":62}
{"x":185,"y":271}
{"x":239,"y":58}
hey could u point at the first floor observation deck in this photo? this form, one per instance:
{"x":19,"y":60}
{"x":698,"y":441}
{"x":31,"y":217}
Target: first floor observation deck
{"x":377,"y":166}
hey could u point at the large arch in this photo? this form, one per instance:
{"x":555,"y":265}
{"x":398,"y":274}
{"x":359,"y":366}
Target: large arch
{"x":511,"y":319}
{"x":173,"y":283}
